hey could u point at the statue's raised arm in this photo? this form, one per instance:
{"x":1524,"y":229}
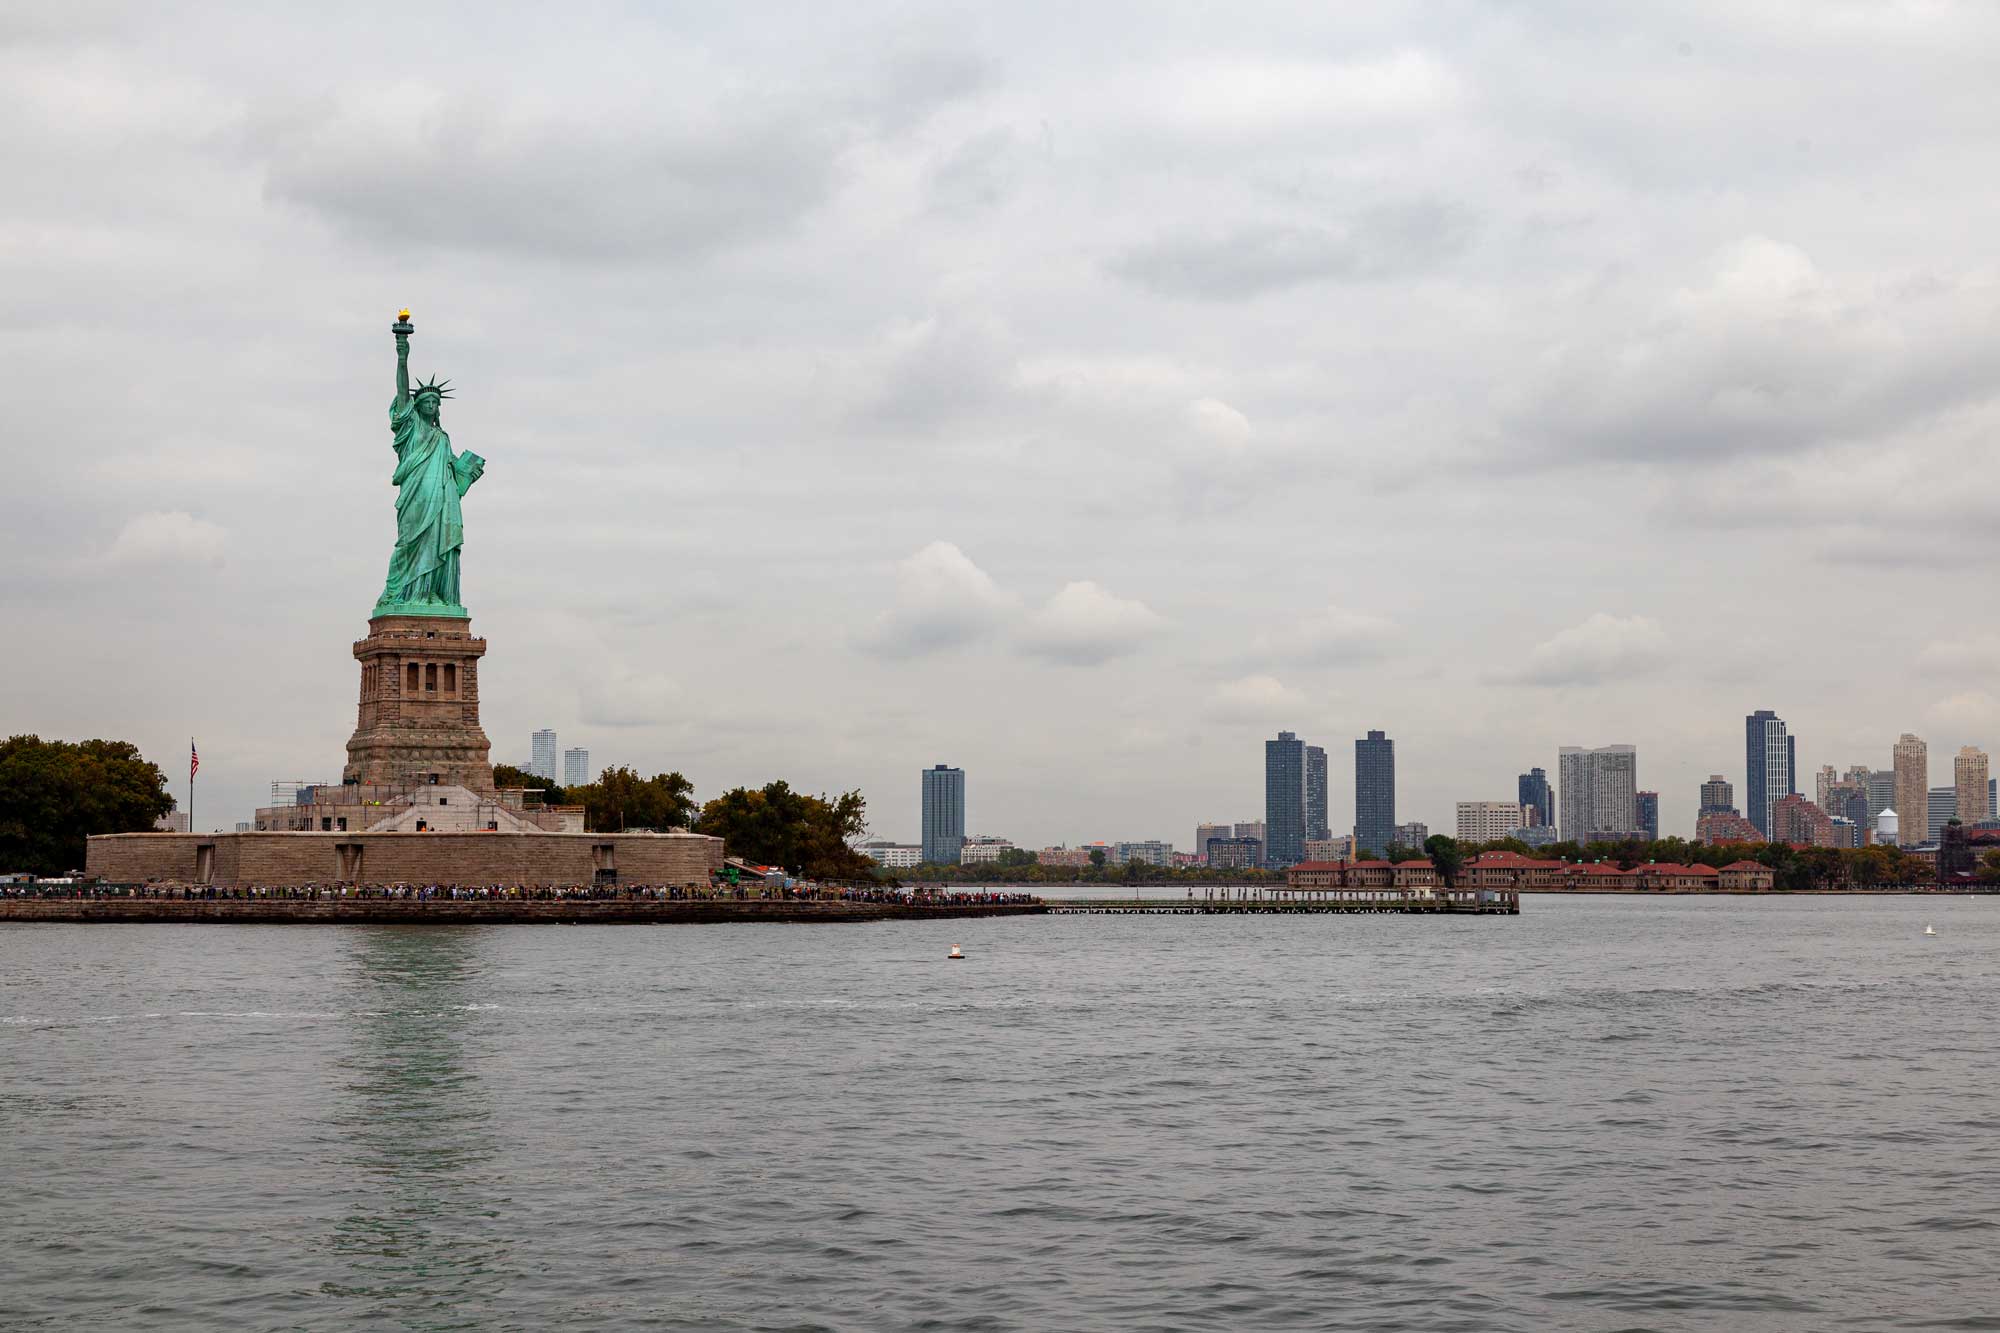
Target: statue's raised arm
{"x":402,"y":328}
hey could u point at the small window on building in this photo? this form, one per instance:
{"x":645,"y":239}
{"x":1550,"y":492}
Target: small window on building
{"x":443,"y":801}
{"x":422,"y":827}
{"x":451,"y":678}
{"x":430,"y":677}
{"x":326,"y":824}
{"x":341,"y":823}
{"x":413,"y":678}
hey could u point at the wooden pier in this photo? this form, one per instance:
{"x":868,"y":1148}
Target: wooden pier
{"x":1285,"y":902}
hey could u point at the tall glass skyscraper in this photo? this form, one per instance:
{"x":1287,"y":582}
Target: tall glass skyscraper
{"x":1374,"y":793}
{"x":1533,"y":789}
{"x":1316,"y":818}
{"x":542,"y":755}
{"x":576,"y":767}
{"x":1767,"y":764}
{"x":944,"y":815}
{"x":1284,"y":801}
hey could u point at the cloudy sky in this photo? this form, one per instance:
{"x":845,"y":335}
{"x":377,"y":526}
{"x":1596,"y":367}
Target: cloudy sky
{"x":1076,"y":394}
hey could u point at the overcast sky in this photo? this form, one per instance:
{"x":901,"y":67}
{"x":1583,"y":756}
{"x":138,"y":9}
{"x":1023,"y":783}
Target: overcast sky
{"x":1074,"y":393}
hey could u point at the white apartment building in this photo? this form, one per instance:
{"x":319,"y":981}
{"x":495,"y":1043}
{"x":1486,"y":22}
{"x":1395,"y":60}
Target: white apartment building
{"x":1485,"y":821}
{"x":1152,"y":852}
{"x":894,"y":856}
{"x":1330,"y":849}
{"x":983,"y":849}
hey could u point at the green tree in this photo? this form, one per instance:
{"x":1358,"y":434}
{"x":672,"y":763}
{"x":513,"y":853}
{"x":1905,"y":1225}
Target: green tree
{"x":808,"y":835}
{"x":506,"y":775}
{"x":1097,"y":858}
{"x":621,"y":799}
{"x":55,"y":794}
{"x":1446,"y":855}
{"x":1015,"y":858}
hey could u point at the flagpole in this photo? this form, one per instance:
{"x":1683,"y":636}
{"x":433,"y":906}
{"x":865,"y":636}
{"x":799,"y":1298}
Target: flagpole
{"x":193,"y":763}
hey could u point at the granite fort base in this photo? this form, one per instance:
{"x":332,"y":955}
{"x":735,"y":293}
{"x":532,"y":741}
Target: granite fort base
{"x":537,"y":860}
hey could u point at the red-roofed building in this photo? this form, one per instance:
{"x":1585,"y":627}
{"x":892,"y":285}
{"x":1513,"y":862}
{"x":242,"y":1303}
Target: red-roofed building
{"x":1418,"y":874}
{"x":1510,"y":870}
{"x":1597,"y":877}
{"x":1665,"y":877}
{"x":1745,"y":877}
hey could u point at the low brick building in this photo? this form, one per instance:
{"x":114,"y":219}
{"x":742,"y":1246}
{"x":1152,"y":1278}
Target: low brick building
{"x":1511,"y":870}
{"x":1666,"y":877}
{"x":1419,"y":874}
{"x":537,"y":859}
{"x":1746,"y":877}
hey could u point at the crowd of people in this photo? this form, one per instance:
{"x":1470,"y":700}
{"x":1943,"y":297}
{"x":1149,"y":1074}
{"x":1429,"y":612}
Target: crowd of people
{"x":717,"y":891}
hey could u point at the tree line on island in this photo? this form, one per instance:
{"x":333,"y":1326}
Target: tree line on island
{"x":772,"y":825}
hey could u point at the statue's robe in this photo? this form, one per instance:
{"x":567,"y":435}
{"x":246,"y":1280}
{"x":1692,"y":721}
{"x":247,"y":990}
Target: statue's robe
{"x":430,"y":526}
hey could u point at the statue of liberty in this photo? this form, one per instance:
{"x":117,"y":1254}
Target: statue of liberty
{"x":430,"y":481}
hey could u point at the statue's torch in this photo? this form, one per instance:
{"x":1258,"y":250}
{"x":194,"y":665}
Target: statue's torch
{"x":402,"y":328}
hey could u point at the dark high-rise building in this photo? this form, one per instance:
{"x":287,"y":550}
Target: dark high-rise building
{"x":1648,"y":805}
{"x":1537,"y":805}
{"x":1374,"y":793}
{"x":1768,"y":751}
{"x":1284,"y":801}
{"x":944,"y":815}
{"x":1717,"y":797}
{"x":1316,"y":825}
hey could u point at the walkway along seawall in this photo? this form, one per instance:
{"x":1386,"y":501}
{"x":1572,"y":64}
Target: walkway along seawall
{"x":447,"y":912}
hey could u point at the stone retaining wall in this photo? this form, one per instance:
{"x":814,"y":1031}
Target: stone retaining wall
{"x":539,"y":860}
{"x":390,"y":911}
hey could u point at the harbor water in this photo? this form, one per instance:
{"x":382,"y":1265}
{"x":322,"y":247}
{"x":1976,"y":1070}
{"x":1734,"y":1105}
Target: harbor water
{"x":1605,"y":1113}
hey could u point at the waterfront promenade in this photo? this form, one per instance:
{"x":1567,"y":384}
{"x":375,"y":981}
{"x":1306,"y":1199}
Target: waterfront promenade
{"x":426,"y":907}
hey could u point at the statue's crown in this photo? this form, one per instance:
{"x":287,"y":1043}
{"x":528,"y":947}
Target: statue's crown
{"x":436,"y":386}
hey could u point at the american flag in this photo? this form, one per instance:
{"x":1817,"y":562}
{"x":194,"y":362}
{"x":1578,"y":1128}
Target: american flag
{"x":194,"y":759}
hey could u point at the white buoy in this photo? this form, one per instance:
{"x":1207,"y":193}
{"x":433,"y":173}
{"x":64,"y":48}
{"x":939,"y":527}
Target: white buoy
{"x":1930,"y":930}
{"x":954,"y":953}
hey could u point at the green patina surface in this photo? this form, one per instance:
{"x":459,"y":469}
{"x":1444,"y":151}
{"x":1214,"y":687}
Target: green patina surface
{"x":430,"y":482}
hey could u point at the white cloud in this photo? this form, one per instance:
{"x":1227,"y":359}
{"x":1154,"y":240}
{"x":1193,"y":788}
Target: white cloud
{"x":1253,"y":258}
{"x":1603,"y":648}
{"x":631,"y":699}
{"x":1085,"y":624}
{"x":1764,"y":353}
{"x":1217,"y":421}
{"x":1975,"y":654}
{"x":167,"y":538}
{"x":1333,"y":637}
{"x":942,"y":601}
{"x":1255,"y":699}
{"x":1970,"y":711}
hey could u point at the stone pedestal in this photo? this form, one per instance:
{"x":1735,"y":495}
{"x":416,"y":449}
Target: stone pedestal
{"x":419,"y":719}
